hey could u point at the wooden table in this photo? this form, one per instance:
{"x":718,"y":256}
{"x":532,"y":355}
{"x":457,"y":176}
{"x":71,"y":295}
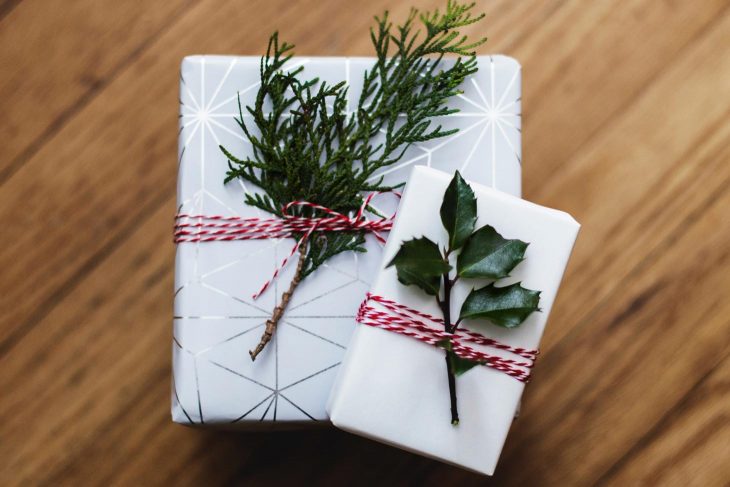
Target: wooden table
{"x":626,"y":108}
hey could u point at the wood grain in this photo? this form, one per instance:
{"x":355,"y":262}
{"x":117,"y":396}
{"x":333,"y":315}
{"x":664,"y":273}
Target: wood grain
{"x":625,"y":126}
{"x":57,"y":55}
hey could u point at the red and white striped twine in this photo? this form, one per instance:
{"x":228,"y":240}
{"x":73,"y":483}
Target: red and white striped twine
{"x":216,"y":228}
{"x":406,"y":321}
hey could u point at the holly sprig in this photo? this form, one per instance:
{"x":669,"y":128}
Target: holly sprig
{"x":479,"y":254}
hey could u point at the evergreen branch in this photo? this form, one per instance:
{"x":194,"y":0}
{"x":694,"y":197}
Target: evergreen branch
{"x":305,"y":144}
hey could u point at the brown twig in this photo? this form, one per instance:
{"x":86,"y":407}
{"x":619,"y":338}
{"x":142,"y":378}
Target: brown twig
{"x":272,"y":322}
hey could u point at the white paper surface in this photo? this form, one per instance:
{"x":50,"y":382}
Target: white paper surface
{"x":394,"y":389}
{"x":216,"y":321}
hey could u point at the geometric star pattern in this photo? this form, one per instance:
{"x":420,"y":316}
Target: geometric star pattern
{"x":215,"y":319}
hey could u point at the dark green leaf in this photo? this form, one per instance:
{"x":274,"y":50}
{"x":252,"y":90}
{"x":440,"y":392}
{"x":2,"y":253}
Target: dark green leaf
{"x":458,"y":365}
{"x":461,"y":365}
{"x":458,"y":211}
{"x":419,"y":262}
{"x":488,"y":255}
{"x":505,"y":306}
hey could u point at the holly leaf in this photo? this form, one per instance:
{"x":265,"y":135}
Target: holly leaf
{"x":419,"y":262}
{"x":459,"y":365}
{"x":488,"y":255}
{"x":458,"y":211}
{"x":506,"y":306}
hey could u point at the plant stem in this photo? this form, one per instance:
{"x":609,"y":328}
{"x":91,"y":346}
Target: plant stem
{"x":272,"y":322}
{"x":446,"y":303}
{"x":446,"y":311}
{"x":452,"y":391}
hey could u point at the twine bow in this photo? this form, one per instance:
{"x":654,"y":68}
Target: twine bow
{"x":216,"y":228}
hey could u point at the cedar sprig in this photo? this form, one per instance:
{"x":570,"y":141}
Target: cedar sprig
{"x":308,"y":146}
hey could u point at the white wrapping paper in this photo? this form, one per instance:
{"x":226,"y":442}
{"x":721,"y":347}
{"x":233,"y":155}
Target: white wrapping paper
{"x":215,"y":320}
{"x":394,"y":389}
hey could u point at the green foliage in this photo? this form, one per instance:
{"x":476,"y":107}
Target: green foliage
{"x":458,"y":365}
{"x":506,"y":306}
{"x":485,"y":255}
{"x":306,"y":146}
{"x":458,"y":211}
{"x":419,"y":263}
{"x":488,"y":255}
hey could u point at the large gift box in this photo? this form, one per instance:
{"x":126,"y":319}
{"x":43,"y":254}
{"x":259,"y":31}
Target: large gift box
{"x":394,"y":388}
{"x":216,"y":321}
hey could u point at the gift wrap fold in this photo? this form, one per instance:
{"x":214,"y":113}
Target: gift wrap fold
{"x":216,"y":322}
{"x":394,"y":389}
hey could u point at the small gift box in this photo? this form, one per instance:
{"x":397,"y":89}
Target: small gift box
{"x":216,"y":321}
{"x":393,"y":384}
